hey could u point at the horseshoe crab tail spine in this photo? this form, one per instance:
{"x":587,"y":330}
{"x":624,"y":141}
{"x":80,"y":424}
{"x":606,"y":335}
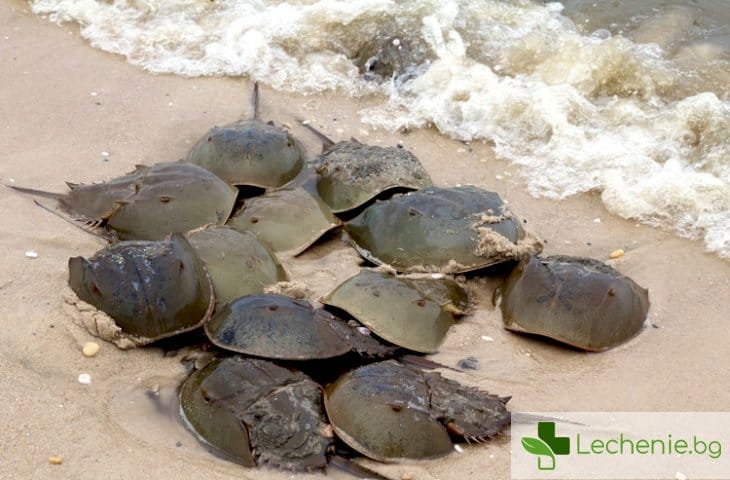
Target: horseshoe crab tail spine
{"x":36,"y":193}
{"x":326,"y":141}
{"x":255,"y":101}
{"x":348,"y":466}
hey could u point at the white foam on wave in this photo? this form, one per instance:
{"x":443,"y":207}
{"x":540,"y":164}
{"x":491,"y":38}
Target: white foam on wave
{"x":578,"y":111}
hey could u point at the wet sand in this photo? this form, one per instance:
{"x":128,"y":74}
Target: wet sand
{"x":63,"y":103}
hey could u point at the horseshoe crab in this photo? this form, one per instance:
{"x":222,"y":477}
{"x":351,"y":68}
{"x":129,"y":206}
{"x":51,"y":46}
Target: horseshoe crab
{"x":279,"y":327}
{"x":148,"y":203}
{"x":351,"y":173}
{"x":456,"y":230}
{"x":250,"y":152}
{"x":388,"y":411}
{"x":151,"y":290}
{"x":388,"y":55}
{"x":414,"y":313}
{"x":238,"y":264}
{"x":290,"y":219}
{"x":258,"y":413}
{"x":578,"y":301}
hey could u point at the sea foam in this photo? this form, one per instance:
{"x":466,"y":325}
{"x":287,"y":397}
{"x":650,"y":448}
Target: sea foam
{"x":624,"y":108}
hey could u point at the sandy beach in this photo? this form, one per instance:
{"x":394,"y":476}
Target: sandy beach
{"x":63,"y":104}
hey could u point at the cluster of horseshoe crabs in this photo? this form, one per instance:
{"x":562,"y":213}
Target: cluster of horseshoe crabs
{"x":180,"y":259}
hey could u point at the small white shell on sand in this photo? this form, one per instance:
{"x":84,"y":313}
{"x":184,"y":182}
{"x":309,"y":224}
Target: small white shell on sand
{"x":487,"y":338}
{"x":84,"y":379}
{"x":31,"y":254}
{"x":597,"y":220}
{"x":458,"y":448}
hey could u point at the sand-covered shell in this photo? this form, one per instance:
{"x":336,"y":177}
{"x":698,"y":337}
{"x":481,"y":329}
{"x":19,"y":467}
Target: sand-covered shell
{"x":249,"y":152}
{"x":258,"y":413}
{"x":352,"y":173}
{"x":578,"y":301}
{"x":151,"y":290}
{"x":290,"y":219}
{"x":454,"y":229}
{"x":388,"y":411}
{"x":279,"y":327}
{"x":414,"y":313}
{"x":150,"y":202}
{"x":237,"y":262}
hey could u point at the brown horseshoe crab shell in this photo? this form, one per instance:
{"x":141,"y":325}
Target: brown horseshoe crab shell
{"x":578,"y":301}
{"x":414,"y":313}
{"x":351,"y":173}
{"x":249,"y":152}
{"x":238,"y":264}
{"x":151,"y":290}
{"x":290,"y":219}
{"x":454,"y":229}
{"x":259,"y":413}
{"x":149,"y":203}
{"x":388,"y":411}
{"x":274,"y":326}
{"x":279,"y":327}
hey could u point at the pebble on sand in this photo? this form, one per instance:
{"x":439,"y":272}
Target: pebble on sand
{"x":31,"y":254}
{"x":406,"y":476}
{"x":90,"y":349}
{"x":469,"y":363}
{"x":84,"y":379}
{"x":55,"y":460}
{"x":616,"y":253}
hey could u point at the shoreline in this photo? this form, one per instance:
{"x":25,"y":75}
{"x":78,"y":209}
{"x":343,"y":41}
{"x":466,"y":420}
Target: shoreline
{"x":64,"y":103}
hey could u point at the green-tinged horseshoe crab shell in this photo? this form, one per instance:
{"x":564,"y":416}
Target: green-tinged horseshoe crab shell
{"x":249,"y":152}
{"x":259,"y":413}
{"x":578,"y":301}
{"x":237,"y":262}
{"x":215,"y":424}
{"x":388,"y":411}
{"x":151,"y":290}
{"x":279,"y":327}
{"x":454,"y":229}
{"x":351,"y":173}
{"x":414,"y":313}
{"x":148,"y":203}
{"x":173,"y":197}
{"x":290,"y":219}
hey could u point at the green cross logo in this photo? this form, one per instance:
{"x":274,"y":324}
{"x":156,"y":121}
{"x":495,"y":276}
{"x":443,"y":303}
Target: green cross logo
{"x":546,"y":445}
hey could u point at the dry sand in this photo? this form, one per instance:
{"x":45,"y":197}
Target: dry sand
{"x":63,"y":103}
